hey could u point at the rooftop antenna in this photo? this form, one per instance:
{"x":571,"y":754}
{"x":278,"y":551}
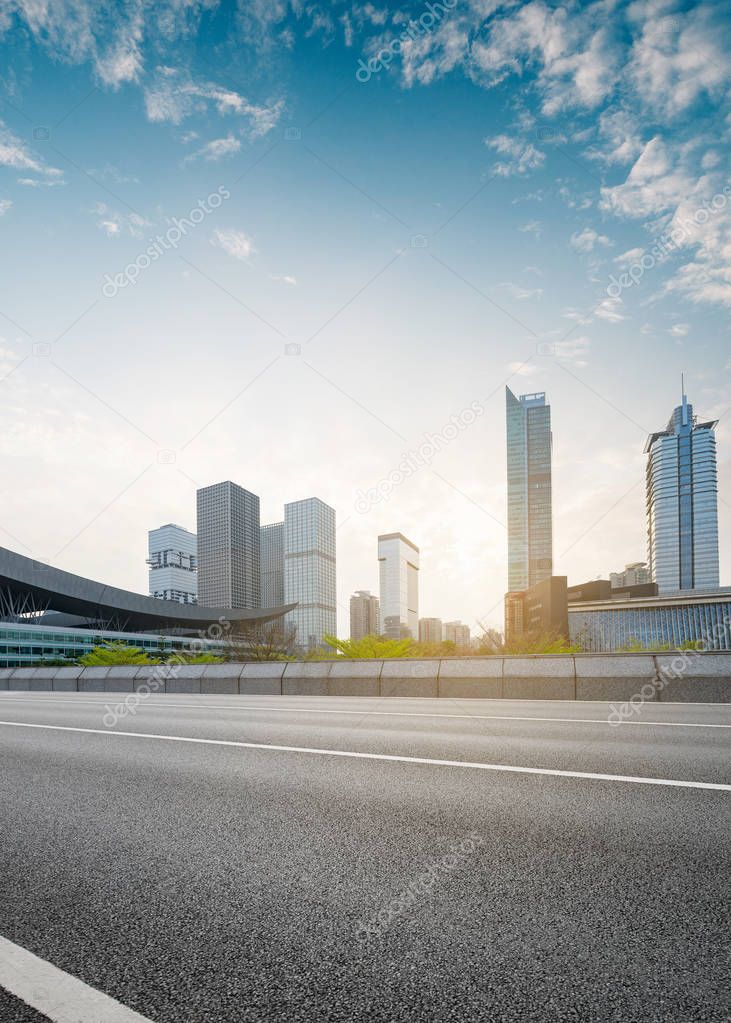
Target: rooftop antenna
{"x":684,"y":401}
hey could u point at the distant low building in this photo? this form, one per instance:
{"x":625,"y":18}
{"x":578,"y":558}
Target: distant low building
{"x":365,"y":615}
{"x":457,"y":633}
{"x":542,"y":608}
{"x":431,"y":630}
{"x":618,"y":621}
{"x":637,"y":573}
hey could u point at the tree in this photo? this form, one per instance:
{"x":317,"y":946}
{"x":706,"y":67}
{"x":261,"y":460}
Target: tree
{"x":527,"y":643}
{"x":110,"y":655}
{"x":274,"y":641}
{"x":370,"y":647}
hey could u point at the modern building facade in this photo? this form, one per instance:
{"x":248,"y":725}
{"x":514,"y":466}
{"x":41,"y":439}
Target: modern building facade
{"x":172,"y":557}
{"x":682,"y":503}
{"x":637,"y":573}
{"x":309,"y":570}
{"x":48,"y":613}
{"x":229,"y":543}
{"x":431,"y":630}
{"x":365,"y":615}
{"x":530,"y":524}
{"x":272,"y":564}
{"x":398,"y":564}
{"x":457,"y":633}
{"x":668,"y":621}
{"x":538,"y":610}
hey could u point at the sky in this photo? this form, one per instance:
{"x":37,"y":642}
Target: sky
{"x":305,"y":247}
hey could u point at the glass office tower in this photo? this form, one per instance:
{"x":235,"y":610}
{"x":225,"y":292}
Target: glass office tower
{"x":228,"y":547}
{"x":272,"y":565}
{"x":309,"y":570}
{"x":398,"y":564}
{"x":530,"y":523}
{"x":682,"y":503}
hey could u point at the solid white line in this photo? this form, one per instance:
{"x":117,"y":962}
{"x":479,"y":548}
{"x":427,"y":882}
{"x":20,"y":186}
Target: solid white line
{"x":57,"y":995}
{"x":382,"y":756}
{"x":120,"y":698}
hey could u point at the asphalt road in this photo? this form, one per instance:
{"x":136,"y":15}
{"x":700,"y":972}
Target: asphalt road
{"x":198,"y":882}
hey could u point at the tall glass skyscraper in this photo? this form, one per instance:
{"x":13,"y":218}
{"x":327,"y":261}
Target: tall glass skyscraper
{"x":228,"y":547}
{"x":272,"y":565}
{"x":398,"y":564}
{"x":530,"y":523}
{"x":309,"y":570}
{"x":682,"y":503}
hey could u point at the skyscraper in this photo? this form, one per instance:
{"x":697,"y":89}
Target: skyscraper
{"x":365,"y":615}
{"x":272,"y":565}
{"x":431,"y":630}
{"x":309,"y":570}
{"x":457,"y":633}
{"x":172,"y":554}
{"x":682,"y":503}
{"x":530,"y":526}
{"x":398,"y":562}
{"x":228,"y":546}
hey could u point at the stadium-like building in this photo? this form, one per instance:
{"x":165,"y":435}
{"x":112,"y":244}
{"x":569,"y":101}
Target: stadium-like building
{"x":46,"y":613}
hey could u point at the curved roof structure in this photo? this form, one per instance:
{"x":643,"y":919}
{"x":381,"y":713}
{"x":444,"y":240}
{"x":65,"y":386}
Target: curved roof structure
{"x":43,"y":587}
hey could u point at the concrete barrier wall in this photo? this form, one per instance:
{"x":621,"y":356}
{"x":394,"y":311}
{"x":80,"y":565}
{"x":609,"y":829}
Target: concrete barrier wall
{"x":683,"y":676}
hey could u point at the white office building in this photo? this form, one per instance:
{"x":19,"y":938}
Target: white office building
{"x":398,"y":563}
{"x":172,"y":563}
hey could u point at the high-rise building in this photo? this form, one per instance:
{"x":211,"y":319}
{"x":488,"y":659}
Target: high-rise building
{"x":228,"y":546}
{"x":272,"y":565}
{"x":365,"y":615}
{"x":309,"y":570}
{"x":682,"y":503}
{"x":530,"y":529}
{"x":172,"y":560}
{"x":636,"y":573}
{"x":457,"y":633}
{"x":398,"y":562}
{"x":431,"y":630}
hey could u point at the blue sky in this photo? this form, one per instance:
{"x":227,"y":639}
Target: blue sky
{"x":388,"y":254}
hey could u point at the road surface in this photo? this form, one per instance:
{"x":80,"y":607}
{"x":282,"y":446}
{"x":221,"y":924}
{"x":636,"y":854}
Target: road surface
{"x":272,"y":872}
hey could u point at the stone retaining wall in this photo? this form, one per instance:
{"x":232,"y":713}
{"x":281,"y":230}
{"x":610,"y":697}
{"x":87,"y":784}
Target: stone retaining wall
{"x":687,"y":676}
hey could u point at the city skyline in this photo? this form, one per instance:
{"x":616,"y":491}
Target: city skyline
{"x":567,"y":235}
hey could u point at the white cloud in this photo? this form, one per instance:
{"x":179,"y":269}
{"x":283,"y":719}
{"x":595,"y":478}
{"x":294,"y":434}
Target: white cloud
{"x":523,"y":156}
{"x":521,"y":294}
{"x":680,"y":329}
{"x":533,"y":227}
{"x":14,"y":153}
{"x":587,"y":240}
{"x":609,"y":310}
{"x":5,"y":205}
{"x":174,"y":95}
{"x":115,"y":224}
{"x":285,"y":278}
{"x":216,"y":149}
{"x":629,"y":257}
{"x":522,"y":369}
{"x":235,"y":243}
{"x":679,"y":57}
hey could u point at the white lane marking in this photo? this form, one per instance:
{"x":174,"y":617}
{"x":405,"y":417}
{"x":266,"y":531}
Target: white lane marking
{"x":120,"y":697}
{"x":55,"y":994}
{"x":382,"y":756}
